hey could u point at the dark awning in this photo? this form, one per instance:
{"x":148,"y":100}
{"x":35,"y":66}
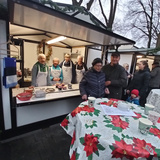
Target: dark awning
{"x":36,"y":16}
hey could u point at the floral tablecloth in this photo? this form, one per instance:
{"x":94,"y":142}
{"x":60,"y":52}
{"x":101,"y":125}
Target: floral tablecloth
{"x":154,"y":99}
{"x":96,"y":136}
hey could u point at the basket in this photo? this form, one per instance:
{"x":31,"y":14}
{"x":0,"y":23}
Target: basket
{"x":24,"y":96}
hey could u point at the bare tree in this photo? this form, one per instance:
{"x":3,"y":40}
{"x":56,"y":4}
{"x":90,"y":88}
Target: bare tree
{"x":109,"y":21}
{"x":89,"y":4}
{"x":142,"y":19}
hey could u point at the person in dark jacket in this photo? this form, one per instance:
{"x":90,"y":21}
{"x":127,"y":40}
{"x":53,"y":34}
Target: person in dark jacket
{"x":116,"y":77}
{"x":154,"y":82}
{"x":140,"y":82}
{"x":93,"y":81}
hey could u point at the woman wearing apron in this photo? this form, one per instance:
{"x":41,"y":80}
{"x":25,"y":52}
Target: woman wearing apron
{"x":80,"y":69}
{"x":68,"y":69}
{"x":56,"y":74}
{"x":40,"y":73}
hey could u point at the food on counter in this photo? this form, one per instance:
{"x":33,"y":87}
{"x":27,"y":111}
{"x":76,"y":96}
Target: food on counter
{"x":25,"y":96}
{"x":30,"y":90}
{"x":57,"y":84}
{"x":60,"y":87}
{"x":50,"y":90}
{"x":62,"y":84}
{"x":64,"y":88}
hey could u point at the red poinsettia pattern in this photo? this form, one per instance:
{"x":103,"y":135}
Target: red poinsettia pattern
{"x":73,"y":138}
{"x":140,"y":146}
{"x":155,"y":131}
{"x":110,"y":103}
{"x":117,"y":122}
{"x":158,"y":120}
{"x":123,"y":150}
{"x":90,"y":144}
{"x":64,"y":123}
{"x":73,"y":157}
{"x":80,"y":109}
{"x":138,"y":115}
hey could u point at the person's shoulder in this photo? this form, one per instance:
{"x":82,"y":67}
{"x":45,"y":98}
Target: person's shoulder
{"x":120,"y":67}
{"x":105,"y":67}
{"x":36,"y":64}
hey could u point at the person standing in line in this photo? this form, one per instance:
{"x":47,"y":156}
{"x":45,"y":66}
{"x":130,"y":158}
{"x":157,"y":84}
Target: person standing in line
{"x":129,"y":76}
{"x":56,"y":74}
{"x":140,"y":82}
{"x":40,"y":73}
{"x":93,"y":81}
{"x":68,"y":68}
{"x":116,"y":77}
{"x":81,"y":68}
{"x":154,"y":82}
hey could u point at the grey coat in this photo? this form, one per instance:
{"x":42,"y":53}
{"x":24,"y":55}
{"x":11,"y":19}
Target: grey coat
{"x":93,"y":84}
{"x":117,"y":75}
{"x":155,"y":78}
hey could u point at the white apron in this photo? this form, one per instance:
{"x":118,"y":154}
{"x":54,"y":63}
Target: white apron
{"x":55,"y":74}
{"x":67,"y":73}
{"x":41,"y":78}
{"x":79,"y":74}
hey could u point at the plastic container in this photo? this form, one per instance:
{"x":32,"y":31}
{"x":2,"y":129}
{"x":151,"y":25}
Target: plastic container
{"x":40,"y":93}
{"x":24,"y":96}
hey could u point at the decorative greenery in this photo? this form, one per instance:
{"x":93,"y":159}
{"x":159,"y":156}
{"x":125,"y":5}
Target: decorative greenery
{"x":154,"y":51}
{"x":49,"y":53}
{"x":70,"y":9}
{"x":40,"y":47}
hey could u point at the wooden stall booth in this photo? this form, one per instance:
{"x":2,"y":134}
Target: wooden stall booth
{"x":24,"y":33}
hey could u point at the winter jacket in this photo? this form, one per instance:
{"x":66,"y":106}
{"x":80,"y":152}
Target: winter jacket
{"x":93,"y":84}
{"x":117,"y":75}
{"x":134,"y":100}
{"x":155,"y":78}
{"x":140,"y":82}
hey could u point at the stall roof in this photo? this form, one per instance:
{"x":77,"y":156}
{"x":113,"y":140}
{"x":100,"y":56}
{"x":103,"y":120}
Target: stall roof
{"x":29,"y":18}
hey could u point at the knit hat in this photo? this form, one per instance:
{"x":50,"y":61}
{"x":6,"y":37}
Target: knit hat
{"x":96,"y":60}
{"x":135,"y":91}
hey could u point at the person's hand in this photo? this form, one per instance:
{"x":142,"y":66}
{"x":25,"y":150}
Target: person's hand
{"x":107,"y":91}
{"x":107,"y":83}
{"x":84,"y":97}
{"x":56,"y":79}
{"x":128,"y":91}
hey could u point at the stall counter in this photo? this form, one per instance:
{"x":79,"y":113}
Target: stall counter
{"x":57,"y":94}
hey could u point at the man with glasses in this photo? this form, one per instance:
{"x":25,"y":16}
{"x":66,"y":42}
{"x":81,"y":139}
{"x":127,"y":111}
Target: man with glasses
{"x":116,"y":77}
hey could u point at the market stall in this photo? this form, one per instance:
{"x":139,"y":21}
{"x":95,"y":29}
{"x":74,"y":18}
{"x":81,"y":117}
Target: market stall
{"x":24,"y":35}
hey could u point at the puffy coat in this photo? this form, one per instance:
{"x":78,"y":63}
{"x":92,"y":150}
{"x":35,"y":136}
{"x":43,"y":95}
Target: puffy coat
{"x":134,"y":100}
{"x":117,"y":75}
{"x":93,"y":84}
{"x":155,"y":78}
{"x":140,"y":82}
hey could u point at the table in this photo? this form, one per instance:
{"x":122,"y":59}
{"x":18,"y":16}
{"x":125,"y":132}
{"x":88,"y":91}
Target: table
{"x":154,"y":99}
{"x":96,"y":136}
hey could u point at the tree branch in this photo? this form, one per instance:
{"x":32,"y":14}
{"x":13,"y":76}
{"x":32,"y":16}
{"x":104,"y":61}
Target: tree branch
{"x":105,"y":18}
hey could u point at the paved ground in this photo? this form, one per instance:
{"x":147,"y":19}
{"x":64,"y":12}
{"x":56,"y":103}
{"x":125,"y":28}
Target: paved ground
{"x":46,"y":144}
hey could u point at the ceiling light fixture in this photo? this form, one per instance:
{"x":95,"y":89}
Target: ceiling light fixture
{"x":61,"y":38}
{"x":139,"y":56}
